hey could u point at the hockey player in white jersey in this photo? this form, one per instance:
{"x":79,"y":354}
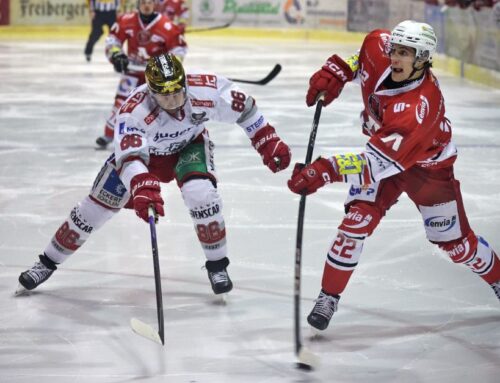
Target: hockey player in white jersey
{"x":161,"y":137}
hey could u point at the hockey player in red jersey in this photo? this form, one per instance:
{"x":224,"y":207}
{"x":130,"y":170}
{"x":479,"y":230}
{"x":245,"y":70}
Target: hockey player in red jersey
{"x":409,"y":150}
{"x":146,"y":34}
{"x":175,"y":10}
{"x":161,"y":136}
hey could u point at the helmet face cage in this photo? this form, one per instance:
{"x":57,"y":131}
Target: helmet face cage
{"x":419,"y":36}
{"x":165,"y":74}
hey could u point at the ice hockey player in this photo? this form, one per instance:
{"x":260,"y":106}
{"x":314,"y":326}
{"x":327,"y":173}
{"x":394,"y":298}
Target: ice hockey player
{"x":409,"y":150}
{"x":175,"y":10}
{"x":146,"y":34}
{"x":161,"y":137}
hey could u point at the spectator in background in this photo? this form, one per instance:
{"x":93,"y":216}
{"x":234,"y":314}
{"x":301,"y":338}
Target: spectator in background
{"x":102,"y":12}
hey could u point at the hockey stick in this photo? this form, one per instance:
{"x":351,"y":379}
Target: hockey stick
{"x":271,"y":75}
{"x":138,"y":326}
{"x":307,"y":360}
{"x":213,"y":28}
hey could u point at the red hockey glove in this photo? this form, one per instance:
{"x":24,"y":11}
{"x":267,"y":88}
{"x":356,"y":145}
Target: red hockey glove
{"x":274,"y":152}
{"x":306,"y":180}
{"x":330,"y":79}
{"x":146,"y":192}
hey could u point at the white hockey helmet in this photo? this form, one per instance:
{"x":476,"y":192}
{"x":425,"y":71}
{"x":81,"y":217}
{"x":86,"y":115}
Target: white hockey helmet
{"x":419,"y":36}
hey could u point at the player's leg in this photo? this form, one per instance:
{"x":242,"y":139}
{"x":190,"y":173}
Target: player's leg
{"x":106,"y":198}
{"x":365,"y":207}
{"x":128,"y":82}
{"x":445,"y":221}
{"x":95,"y":34}
{"x":195,"y":173}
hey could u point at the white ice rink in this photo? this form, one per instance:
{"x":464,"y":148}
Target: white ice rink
{"x":408,"y":315}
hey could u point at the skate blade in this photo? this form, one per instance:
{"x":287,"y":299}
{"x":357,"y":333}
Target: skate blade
{"x":21,"y":290}
{"x":221,"y":299}
{"x":145,"y":330}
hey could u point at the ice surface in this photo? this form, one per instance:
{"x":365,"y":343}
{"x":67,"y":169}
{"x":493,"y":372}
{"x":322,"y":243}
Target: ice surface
{"x":408,"y":315}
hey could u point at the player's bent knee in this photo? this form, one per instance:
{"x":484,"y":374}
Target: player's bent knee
{"x":360,"y":220}
{"x":472,"y":251}
{"x":198,"y":193}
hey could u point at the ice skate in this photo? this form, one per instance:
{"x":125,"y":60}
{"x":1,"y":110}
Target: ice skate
{"x":323,"y":310}
{"x":103,"y":141}
{"x":218,"y":276}
{"x":39,"y":273}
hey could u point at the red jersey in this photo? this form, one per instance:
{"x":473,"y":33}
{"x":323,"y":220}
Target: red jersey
{"x":407,"y":125}
{"x":144,"y":41}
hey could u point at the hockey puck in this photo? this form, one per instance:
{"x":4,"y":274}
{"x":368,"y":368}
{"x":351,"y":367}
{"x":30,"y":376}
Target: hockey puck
{"x":303,"y":366}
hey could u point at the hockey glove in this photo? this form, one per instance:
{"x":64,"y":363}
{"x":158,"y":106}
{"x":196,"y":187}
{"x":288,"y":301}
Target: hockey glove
{"x":119,"y":61}
{"x":274,"y":152}
{"x":306,"y":180}
{"x":146,"y":192}
{"x":330,"y":79}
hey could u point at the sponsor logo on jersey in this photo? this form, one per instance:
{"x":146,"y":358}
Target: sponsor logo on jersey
{"x":189,"y":158}
{"x":205,"y":213}
{"x":152,"y":116}
{"x":81,"y":224}
{"x":358,"y":220}
{"x":159,"y":137}
{"x":206,"y":80}
{"x":422,"y":109}
{"x":202,"y":103}
{"x":441,"y":223}
{"x":122,"y":129}
{"x":400,"y":107}
{"x":357,"y":190}
{"x":132,"y":102}
{"x":199,"y":118}
{"x":257,"y":124}
{"x":459,"y":251}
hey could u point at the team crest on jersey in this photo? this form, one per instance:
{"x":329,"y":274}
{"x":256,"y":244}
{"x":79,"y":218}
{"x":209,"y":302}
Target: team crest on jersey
{"x":143,"y":37}
{"x":199,"y":118}
{"x":422,"y":109}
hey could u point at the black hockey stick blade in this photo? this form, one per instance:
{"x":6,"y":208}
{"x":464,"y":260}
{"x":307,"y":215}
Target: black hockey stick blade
{"x":271,"y":75}
{"x":213,"y":28}
{"x":307,"y":360}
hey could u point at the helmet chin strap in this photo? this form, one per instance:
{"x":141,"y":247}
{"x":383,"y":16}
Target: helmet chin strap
{"x":415,"y":69}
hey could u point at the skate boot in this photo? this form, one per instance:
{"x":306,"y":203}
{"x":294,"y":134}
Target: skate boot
{"x":39,"y":273}
{"x":218,"y":276}
{"x":323,"y":310}
{"x":103,"y":141}
{"x":496,"y":288}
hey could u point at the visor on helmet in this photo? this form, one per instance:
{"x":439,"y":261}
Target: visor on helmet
{"x":170,"y":101}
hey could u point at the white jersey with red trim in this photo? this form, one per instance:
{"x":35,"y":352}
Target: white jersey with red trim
{"x":406,"y":125}
{"x":142,"y":128}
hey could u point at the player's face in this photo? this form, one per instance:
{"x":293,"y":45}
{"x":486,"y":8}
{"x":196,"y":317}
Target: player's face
{"x":171,"y":102}
{"x":402,"y":59}
{"x":146,"y":7}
